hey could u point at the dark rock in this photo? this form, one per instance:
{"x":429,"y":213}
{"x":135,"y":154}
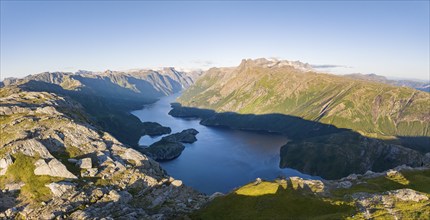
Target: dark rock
{"x":185,"y":136}
{"x":154,"y":129}
{"x":164,"y":150}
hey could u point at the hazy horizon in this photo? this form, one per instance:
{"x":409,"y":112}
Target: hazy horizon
{"x":384,"y":38}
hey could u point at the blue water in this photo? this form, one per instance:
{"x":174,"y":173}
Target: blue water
{"x":221,"y":159}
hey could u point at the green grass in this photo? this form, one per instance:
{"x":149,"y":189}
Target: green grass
{"x":269,"y":200}
{"x":352,"y":103}
{"x":285,"y":200}
{"x":22,"y":170}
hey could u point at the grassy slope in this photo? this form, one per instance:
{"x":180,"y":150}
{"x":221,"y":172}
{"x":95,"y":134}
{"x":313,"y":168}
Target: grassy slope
{"x":277,"y":200}
{"x":22,"y":170}
{"x":374,"y":109}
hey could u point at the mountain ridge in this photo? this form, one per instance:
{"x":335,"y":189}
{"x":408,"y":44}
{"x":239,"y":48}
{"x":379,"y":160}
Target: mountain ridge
{"x":287,"y":100}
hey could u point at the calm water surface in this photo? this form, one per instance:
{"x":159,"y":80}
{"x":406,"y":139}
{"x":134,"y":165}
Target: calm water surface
{"x":221,"y":159}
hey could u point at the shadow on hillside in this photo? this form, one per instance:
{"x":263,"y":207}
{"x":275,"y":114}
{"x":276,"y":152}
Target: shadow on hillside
{"x":103,"y":86}
{"x":316,"y":148}
{"x":419,"y":143}
{"x":8,"y":199}
{"x":284,"y":204}
{"x":111,"y":114}
{"x":294,"y":127}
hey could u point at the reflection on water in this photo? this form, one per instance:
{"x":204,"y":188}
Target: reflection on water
{"x":221,"y":159}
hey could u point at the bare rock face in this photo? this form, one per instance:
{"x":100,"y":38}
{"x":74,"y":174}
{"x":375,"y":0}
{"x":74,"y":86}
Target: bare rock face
{"x":14,"y":186}
{"x":409,"y":195}
{"x":52,"y":168}
{"x":5,"y":162}
{"x":368,"y":202}
{"x":85,"y":163}
{"x":176,"y":183}
{"x":133,"y":155}
{"x":60,"y":188}
{"x":32,"y":147}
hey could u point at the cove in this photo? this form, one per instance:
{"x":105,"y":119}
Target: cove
{"x":221,"y":159}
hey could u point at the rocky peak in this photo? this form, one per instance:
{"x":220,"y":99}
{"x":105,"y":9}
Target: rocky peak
{"x":275,"y":63}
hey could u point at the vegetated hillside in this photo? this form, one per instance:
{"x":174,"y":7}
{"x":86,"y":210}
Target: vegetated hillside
{"x":333,"y":121}
{"x":264,"y":87}
{"x":56,"y":163}
{"x":340,"y":154}
{"x":396,"y":194}
{"x":108,"y":97}
{"x":419,"y":85}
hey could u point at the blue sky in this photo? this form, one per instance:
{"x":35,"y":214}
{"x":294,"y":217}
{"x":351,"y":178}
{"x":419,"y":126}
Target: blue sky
{"x":386,"y":38}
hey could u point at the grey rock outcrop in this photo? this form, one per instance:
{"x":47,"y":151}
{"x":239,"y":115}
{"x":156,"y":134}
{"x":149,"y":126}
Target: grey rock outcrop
{"x":5,"y":162}
{"x":61,"y":188}
{"x":52,"y":168}
{"x":85,"y":163}
{"x":176,"y":183}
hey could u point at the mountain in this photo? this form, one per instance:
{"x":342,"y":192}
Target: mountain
{"x":57,"y":163}
{"x":374,"y":109}
{"x":263,"y":95}
{"x":109,"y":96}
{"x":419,"y":85}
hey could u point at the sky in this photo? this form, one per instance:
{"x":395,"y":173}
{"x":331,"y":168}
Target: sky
{"x":385,"y":38}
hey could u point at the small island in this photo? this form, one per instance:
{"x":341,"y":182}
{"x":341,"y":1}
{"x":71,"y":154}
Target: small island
{"x":170,"y":146}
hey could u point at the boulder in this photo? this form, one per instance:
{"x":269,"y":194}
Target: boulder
{"x":154,"y":129}
{"x":176,"y":183}
{"x":52,"y":168}
{"x":60,"y":188}
{"x":185,"y":136}
{"x":345,"y":184}
{"x":164,"y":150}
{"x":91,"y":172}
{"x":32,"y":147}
{"x":85,"y":163}
{"x":131,"y":154}
{"x":5,"y":162}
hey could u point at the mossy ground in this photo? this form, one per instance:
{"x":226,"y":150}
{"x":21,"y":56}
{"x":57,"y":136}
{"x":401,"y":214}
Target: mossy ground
{"x":416,"y":180}
{"x":278,"y":200}
{"x":22,"y":170}
{"x":269,"y":200}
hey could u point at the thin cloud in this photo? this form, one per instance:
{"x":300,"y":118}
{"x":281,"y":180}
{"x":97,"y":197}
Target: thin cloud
{"x":326,"y":66}
{"x":204,"y":63}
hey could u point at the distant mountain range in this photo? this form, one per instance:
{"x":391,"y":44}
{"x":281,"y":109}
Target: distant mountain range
{"x":420,"y":85}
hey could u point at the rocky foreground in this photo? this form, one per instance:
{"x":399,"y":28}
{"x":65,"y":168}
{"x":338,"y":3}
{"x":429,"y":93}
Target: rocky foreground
{"x":400,"y":193}
{"x":55,"y":163}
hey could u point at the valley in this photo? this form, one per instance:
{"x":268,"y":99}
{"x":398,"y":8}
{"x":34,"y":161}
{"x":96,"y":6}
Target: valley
{"x":161,"y":144}
{"x":221,"y":159}
{"x":337,"y":121}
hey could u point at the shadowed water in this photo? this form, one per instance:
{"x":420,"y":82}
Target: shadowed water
{"x":221,"y":159}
